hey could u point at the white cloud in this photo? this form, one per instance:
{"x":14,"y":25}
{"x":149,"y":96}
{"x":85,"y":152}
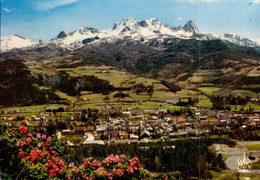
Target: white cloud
{"x":256,"y":1}
{"x":6,"y":10}
{"x":50,"y":4}
{"x":179,"y":18}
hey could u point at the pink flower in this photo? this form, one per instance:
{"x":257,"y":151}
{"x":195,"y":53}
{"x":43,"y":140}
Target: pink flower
{"x":23,"y":130}
{"x":119,"y":165}
{"x":130,"y":170}
{"x":60,"y":163}
{"x":52,"y":173}
{"x":49,"y":164}
{"x":30,"y":135}
{"x":85,"y":176}
{"x":82,"y":166}
{"x":122,"y":156}
{"x":109,"y":175}
{"x":40,"y":144}
{"x":26,"y":158}
{"x":71,"y":165}
{"x":39,"y":135}
{"x":75,"y":169}
{"x":54,"y":153}
{"x":49,"y":139}
{"x":119,"y":173}
{"x":94,"y":164}
{"x":101,"y":171}
{"x":11,"y":130}
{"x":116,"y":159}
{"x":54,"y":168}
{"x":34,"y":155}
{"x":29,"y":140}
{"x":134,"y":162}
{"x":21,"y":154}
{"x":22,"y":143}
{"x":87,"y":161}
{"x":44,"y":136}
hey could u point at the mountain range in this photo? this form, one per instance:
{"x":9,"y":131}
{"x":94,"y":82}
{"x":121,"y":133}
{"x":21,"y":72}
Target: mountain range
{"x":177,"y":57}
{"x":148,"y":48}
{"x":150,"y":32}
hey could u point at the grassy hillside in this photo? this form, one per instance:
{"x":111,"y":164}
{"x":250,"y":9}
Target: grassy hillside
{"x":105,"y":84}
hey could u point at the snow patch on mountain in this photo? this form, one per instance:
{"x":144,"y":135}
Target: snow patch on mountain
{"x":151,"y":32}
{"x":128,"y":28}
{"x":73,"y":40}
{"x":15,"y":41}
{"x":237,"y":39}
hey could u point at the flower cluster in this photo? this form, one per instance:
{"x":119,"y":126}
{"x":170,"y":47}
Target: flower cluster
{"x":34,"y":156}
{"x":23,"y":130}
{"x":54,"y":167}
{"x":113,"y":166}
{"x":38,"y":150}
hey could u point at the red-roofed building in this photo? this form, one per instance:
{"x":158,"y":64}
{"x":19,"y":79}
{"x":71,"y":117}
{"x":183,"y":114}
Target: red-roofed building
{"x":181,"y":120}
{"x":207,"y":123}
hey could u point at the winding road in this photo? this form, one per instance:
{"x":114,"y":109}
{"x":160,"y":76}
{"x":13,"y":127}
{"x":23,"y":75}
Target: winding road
{"x":235,"y":153}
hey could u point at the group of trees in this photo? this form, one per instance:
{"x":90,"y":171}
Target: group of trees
{"x":186,"y":101}
{"x":17,"y":87}
{"x":220,"y":102}
{"x":244,"y":134}
{"x":121,"y":95}
{"x":141,"y":88}
{"x":89,"y":116}
{"x":171,"y":86}
{"x":73,"y":85}
{"x":178,"y":112}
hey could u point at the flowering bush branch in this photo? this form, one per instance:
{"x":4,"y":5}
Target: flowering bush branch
{"x":41,"y":157}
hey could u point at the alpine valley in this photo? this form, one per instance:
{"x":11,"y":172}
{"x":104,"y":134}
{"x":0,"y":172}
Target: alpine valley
{"x":134,"y":61}
{"x":142,"y":100}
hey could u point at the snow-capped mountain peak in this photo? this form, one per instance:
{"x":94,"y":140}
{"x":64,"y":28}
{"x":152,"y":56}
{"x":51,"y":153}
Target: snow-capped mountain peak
{"x":130,"y":28}
{"x":125,"y":22}
{"x":74,"y":40}
{"x":155,"y":23}
{"x":84,"y":30}
{"x":16,"y":41}
{"x":191,"y":27}
{"x":142,"y":23}
{"x":144,"y":31}
{"x":239,"y":40}
{"x":62,"y":34}
{"x":151,"y":28}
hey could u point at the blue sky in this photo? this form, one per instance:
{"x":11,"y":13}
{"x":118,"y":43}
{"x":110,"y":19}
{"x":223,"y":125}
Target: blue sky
{"x":44,"y":19}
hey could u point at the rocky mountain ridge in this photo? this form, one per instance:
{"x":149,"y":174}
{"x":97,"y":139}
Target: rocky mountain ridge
{"x":150,"y":32}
